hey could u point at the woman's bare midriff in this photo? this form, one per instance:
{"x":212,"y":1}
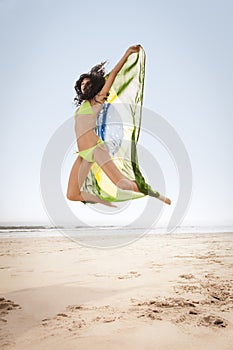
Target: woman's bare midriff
{"x":87,"y":140}
{"x":85,"y":128}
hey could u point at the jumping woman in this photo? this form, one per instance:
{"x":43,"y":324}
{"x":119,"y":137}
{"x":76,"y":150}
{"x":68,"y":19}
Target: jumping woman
{"x":92,"y":91}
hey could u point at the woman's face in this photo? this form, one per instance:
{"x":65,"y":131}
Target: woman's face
{"x":85,"y":80}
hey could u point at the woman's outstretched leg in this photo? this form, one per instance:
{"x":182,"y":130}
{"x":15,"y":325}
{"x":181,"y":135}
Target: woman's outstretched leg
{"x":104,"y":160}
{"x":77,"y":177}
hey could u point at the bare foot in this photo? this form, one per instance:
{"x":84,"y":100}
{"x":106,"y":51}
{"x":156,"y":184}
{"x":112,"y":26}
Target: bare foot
{"x":109,"y":204}
{"x":164,"y":199}
{"x":92,"y":199}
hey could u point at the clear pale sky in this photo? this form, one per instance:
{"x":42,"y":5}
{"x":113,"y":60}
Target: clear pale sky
{"x":47,"y":44}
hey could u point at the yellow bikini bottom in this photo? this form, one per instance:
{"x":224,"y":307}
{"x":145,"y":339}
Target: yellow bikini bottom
{"x":87,"y":154}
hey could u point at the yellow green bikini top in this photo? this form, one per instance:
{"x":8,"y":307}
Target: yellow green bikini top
{"x":85,"y":108}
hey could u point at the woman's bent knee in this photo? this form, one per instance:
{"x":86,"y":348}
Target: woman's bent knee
{"x":74,"y":196}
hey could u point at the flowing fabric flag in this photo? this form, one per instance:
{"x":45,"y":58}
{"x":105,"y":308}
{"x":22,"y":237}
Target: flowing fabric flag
{"x":118,"y":125}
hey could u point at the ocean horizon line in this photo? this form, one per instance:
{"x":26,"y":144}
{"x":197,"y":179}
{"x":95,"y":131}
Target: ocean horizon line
{"x":20,"y":227}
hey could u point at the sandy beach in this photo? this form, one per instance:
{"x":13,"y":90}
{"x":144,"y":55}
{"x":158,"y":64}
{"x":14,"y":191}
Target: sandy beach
{"x":161,"y":292}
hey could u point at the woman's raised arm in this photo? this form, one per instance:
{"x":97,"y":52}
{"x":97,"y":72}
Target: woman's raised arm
{"x":116,"y":69}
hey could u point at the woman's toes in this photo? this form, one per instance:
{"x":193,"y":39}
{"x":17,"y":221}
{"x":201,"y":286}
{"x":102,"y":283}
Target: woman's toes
{"x":164,"y":199}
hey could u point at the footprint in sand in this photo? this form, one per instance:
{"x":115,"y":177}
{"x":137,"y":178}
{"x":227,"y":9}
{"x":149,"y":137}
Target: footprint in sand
{"x":132,"y":274}
{"x":187,"y":276}
{"x":104,"y":319}
{"x":212,"y":321}
{"x":62,"y":321}
{"x":6,"y":305}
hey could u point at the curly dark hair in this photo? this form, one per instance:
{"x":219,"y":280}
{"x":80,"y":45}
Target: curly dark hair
{"x":93,"y":86}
